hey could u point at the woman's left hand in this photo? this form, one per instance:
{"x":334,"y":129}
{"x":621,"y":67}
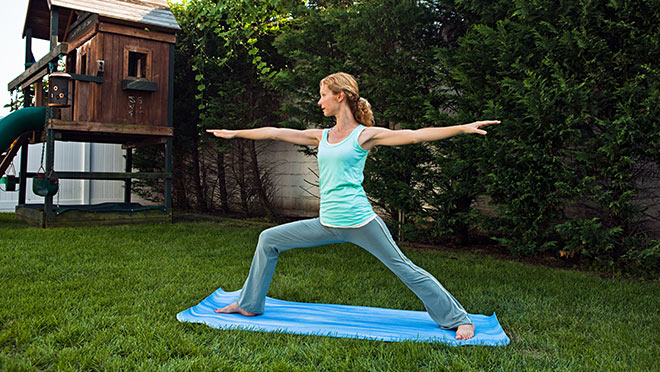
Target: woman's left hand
{"x":475,"y":127}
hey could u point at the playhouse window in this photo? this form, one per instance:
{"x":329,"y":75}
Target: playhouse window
{"x":83,"y":64}
{"x":71,"y":62}
{"x":137,"y":65}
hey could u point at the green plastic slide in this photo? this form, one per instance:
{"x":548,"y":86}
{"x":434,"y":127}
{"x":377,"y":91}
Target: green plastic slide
{"x":19,"y":122}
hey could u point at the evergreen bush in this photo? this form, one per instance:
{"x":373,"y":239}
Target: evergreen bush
{"x":576,"y":85}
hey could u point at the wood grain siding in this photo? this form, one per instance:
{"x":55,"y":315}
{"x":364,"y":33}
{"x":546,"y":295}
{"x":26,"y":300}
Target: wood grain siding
{"x":136,"y":32}
{"x":133,"y":107}
{"x":112,"y":128}
{"x":85,"y":35}
{"x":96,"y":99}
{"x":82,"y":90}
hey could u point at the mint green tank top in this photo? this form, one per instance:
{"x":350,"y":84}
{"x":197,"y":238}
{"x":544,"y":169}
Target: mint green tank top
{"x":341,"y":165}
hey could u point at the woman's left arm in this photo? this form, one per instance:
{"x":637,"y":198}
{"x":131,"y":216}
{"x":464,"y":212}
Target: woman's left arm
{"x":374,"y":136}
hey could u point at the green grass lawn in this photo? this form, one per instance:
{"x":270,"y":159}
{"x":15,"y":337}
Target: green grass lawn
{"x":106,"y":298}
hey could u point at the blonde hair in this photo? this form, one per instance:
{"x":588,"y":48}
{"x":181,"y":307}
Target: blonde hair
{"x":360,"y":107}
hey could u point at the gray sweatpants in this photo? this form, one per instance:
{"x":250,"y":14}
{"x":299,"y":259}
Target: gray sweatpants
{"x":374,"y":237}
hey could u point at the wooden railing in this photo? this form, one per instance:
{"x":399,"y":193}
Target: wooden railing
{"x":39,"y":69}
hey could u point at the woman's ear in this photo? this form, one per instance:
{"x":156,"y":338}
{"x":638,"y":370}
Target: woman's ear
{"x":340,"y":96}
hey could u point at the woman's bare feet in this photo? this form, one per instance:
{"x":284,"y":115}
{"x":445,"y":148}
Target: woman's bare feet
{"x":234,"y":308}
{"x":465,"y":332}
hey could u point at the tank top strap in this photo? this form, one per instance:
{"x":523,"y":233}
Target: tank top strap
{"x":356,"y":134}
{"x":324,"y":137}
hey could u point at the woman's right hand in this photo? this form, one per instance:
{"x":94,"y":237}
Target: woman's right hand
{"x":222,"y":133}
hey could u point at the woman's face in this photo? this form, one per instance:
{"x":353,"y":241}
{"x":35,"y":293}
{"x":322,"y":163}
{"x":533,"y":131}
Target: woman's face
{"x":329,"y":101}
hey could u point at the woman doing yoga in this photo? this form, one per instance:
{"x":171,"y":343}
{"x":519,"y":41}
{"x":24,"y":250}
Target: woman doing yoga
{"x":345,"y":213}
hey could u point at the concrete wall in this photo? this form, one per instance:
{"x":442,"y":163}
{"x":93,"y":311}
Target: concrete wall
{"x":290,"y":169}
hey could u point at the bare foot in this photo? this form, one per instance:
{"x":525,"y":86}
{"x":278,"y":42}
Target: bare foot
{"x":234,"y":308}
{"x":465,"y":332}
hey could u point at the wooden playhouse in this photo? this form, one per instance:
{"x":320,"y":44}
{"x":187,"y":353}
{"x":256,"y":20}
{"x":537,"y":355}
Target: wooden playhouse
{"x":114,"y":85}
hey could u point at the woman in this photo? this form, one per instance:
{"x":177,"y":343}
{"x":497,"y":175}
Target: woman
{"x":345,"y":212}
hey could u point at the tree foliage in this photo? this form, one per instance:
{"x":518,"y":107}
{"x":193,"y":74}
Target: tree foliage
{"x":572,"y":168}
{"x":577,"y":88}
{"x":386,"y":46}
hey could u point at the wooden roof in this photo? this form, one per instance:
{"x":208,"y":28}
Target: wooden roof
{"x":153,"y":13}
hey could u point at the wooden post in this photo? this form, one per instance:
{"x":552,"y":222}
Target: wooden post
{"x":169,"y":147}
{"x":129,"y":169}
{"x":22,"y":178}
{"x":27,"y":93}
{"x":50,"y":162}
{"x":39,"y":94}
{"x":168,"y":171}
{"x":28,"y":47}
{"x":27,"y":98}
{"x":54,"y":26}
{"x":50,"y":136}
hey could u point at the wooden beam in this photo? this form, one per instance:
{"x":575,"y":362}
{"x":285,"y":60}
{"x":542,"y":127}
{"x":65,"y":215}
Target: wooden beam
{"x":34,"y":215}
{"x":39,"y":97}
{"x":39,"y":68}
{"x":80,"y":25}
{"x":54,"y":26}
{"x":141,"y":85}
{"x":115,"y":128}
{"x":142,"y":26}
{"x":146,"y":142}
{"x":26,"y":84}
{"x":136,"y":32}
{"x":88,"y":78}
{"x":128,"y":169}
{"x":108,"y":176}
{"x":68,"y":23}
{"x":170,"y":89}
{"x":11,"y":153}
{"x":22,"y":180}
{"x":27,"y":94}
{"x":169,"y":147}
{"x":28,"y":47}
{"x":82,"y":38}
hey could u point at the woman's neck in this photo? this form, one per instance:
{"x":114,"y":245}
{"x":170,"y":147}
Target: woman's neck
{"x":345,"y":121}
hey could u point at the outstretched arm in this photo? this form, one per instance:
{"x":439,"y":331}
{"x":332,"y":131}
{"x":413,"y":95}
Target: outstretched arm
{"x":309,"y":137}
{"x":374,"y":136}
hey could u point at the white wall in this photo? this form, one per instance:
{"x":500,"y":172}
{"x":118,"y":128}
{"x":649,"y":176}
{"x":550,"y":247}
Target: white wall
{"x":290,"y":170}
{"x":75,"y":157}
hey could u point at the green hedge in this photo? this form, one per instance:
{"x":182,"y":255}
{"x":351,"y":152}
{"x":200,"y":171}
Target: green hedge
{"x":576,"y":85}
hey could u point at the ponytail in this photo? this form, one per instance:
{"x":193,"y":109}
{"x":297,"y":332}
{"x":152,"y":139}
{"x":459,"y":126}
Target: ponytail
{"x":363,"y":113}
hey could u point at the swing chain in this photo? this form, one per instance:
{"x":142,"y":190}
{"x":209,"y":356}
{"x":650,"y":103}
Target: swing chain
{"x":47,"y":120}
{"x":43,"y":144}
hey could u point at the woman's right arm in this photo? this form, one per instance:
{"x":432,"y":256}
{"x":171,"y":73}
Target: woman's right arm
{"x":308,"y":137}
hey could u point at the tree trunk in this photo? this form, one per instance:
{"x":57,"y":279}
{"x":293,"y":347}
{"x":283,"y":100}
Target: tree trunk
{"x":197,"y":182}
{"x":179,"y":184}
{"x":222,"y":183}
{"x":461,"y":229}
{"x":241,"y":179}
{"x":271,"y":213}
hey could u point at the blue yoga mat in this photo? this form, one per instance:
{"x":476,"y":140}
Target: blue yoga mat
{"x":371,"y":323}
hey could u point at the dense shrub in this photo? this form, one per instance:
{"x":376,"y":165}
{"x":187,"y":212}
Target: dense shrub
{"x":576,"y":85}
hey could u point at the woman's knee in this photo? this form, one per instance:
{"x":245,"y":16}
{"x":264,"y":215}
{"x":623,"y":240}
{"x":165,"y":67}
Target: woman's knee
{"x":265,"y":243}
{"x":408,"y":272}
